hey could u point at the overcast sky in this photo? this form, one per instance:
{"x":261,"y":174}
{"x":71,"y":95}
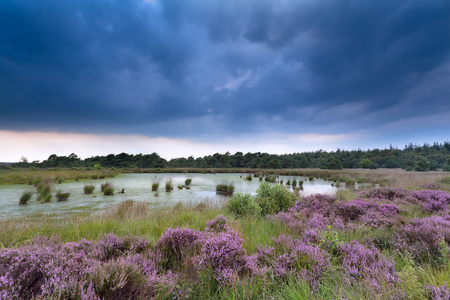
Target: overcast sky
{"x":197,"y":77}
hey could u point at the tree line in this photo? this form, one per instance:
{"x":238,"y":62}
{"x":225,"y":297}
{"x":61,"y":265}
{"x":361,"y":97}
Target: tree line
{"x":424,"y":157}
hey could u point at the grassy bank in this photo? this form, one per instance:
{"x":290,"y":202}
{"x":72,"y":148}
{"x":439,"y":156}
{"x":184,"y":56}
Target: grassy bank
{"x":385,"y":177}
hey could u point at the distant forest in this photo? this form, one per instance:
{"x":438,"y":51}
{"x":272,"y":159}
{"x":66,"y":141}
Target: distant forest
{"x":424,"y":157}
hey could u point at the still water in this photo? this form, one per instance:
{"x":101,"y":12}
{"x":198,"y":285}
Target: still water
{"x":137,"y":187}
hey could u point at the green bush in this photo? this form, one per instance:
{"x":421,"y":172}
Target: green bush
{"x":274,"y":199}
{"x":25,"y":197}
{"x":155,"y":186}
{"x":187,"y":181}
{"x":242,"y":205}
{"x":249,"y":177}
{"x":89,"y":189}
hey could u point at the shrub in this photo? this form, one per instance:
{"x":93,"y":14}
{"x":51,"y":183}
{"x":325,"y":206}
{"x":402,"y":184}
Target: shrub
{"x":188,"y":181}
{"x":25,"y":197}
{"x":175,"y":244}
{"x":311,"y":178}
{"x":274,"y":199}
{"x":249,"y":177}
{"x":243,"y":204}
{"x":180,"y":187}
{"x":294,"y":183}
{"x":223,"y":255}
{"x":297,"y":257}
{"x":424,"y":238}
{"x":369,"y":265}
{"x":438,"y":292}
{"x":109,"y":191}
{"x":60,"y":196}
{"x":155,"y":186}
{"x":218,"y":224}
{"x":89,"y":189}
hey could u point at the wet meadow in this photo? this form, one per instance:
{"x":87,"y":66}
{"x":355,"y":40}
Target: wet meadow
{"x":347,"y":234}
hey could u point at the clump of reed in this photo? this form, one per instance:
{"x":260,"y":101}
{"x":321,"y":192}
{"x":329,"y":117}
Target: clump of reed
{"x":104,"y":186}
{"x":169,"y":185}
{"x":294,"y":183}
{"x":270,"y":178}
{"x":25,"y":197}
{"x":44,"y":189}
{"x":249,"y":177}
{"x":180,"y":187}
{"x":225,"y":189}
{"x":109,"y":191}
{"x":187,"y":181}
{"x":155,"y":186}
{"x":89,"y":189}
{"x":60,"y":196}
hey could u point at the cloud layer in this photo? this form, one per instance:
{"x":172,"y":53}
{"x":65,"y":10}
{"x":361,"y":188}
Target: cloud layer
{"x":208,"y":70}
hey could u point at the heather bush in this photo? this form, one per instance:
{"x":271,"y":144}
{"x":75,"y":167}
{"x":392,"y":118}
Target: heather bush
{"x":274,"y":198}
{"x":368,"y":212}
{"x":223,"y":254}
{"x":424,"y":238}
{"x":242,"y":205}
{"x":119,"y":279}
{"x":89,"y":189}
{"x":368,"y":265}
{"x":438,"y":292}
{"x":299,"y":258}
{"x":432,"y":200}
{"x":26,"y":196}
{"x":218,"y":224}
{"x":317,"y":203}
{"x":175,"y":244}
{"x":384,"y":193}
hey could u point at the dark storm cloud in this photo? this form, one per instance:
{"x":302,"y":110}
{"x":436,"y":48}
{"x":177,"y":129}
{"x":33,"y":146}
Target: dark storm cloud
{"x":182,"y":68}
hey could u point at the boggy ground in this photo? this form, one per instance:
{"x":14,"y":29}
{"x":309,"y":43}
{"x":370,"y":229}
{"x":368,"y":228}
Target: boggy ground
{"x":380,"y":243}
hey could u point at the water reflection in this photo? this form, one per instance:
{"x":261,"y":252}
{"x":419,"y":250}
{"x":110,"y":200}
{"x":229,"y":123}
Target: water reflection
{"x":137,"y":187}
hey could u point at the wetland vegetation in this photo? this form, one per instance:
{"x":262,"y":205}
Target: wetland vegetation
{"x":384,"y":233}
